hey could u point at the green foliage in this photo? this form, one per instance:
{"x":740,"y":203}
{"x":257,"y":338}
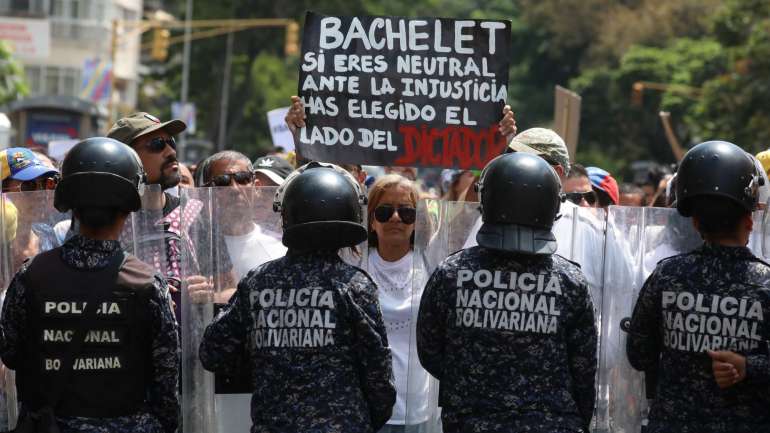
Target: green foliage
{"x":735,"y":105}
{"x":12,"y":81}
{"x":598,"y":48}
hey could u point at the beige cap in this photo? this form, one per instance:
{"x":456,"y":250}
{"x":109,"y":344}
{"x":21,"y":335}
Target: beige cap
{"x":543,"y":142}
{"x":130,"y":128}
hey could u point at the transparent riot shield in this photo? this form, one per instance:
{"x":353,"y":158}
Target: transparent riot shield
{"x":35,"y":232}
{"x":637,"y":239}
{"x":32,"y":225}
{"x":236,"y":231}
{"x":441,"y":229}
{"x":759,"y":241}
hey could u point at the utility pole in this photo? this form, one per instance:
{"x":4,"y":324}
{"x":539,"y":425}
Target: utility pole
{"x":186,"y":71}
{"x":225,"y":101}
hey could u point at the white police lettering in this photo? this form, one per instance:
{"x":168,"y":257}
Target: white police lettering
{"x":65,"y":336}
{"x":293,"y":317}
{"x":99,"y":363}
{"x":103,"y":363}
{"x":695,"y":322}
{"x":74,"y":308}
{"x":508,"y":300}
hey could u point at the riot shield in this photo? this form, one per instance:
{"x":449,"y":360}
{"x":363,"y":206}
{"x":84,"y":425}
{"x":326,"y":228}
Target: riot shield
{"x":637,"y":239}
{"x":441,"y":229}
{"x":759,"y":241}
{"x":32,"y":225}
{"x":236,"y":231}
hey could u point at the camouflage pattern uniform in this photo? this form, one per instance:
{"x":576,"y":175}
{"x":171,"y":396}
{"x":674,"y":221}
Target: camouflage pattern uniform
{"x":162,"y":408}
{"x":312,"y":331}
{"x":512,"y":340}
{"x":714,"y":298}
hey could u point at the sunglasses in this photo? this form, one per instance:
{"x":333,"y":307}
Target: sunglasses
{"x":383,"y":213}
{"x":39,"y":184}
{"x":240,"y":178}
{"x":578,"y":197}
{"x":157,"y":144}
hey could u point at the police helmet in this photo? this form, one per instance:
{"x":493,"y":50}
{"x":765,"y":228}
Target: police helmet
{"x":100,"y":173}
{"x":320,"y":206}
{"x":717,"y":169}
{"x":520,"y":200}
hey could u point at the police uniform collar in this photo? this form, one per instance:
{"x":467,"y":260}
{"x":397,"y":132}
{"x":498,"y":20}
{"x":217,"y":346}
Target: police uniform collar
{"x":516,"y":238}
{"x":722,"y":250}
{"x":300,"y":252}
{"x":80,"y":241}
{"x":81,"y":252}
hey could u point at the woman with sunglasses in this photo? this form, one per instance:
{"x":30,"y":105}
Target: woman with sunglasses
{"x":392,"y":213}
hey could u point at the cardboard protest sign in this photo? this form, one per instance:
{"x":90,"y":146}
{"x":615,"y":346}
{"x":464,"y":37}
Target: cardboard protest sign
{"x":385,"y":91}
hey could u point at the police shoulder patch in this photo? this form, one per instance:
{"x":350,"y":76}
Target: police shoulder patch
{"x":568,"y":260}
{"x":675,"y":256}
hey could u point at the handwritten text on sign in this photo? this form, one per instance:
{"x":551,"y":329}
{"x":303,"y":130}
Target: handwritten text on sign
{"x":397,"y":91}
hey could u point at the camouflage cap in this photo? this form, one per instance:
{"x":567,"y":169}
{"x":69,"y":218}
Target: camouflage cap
{"x":542,"y":142}
{"x":130,"y":128}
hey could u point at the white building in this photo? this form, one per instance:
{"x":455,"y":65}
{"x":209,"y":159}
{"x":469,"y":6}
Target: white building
{"x":80,"y":30}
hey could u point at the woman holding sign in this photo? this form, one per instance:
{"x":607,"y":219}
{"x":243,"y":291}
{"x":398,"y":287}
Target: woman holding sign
{"x":391,"y":220}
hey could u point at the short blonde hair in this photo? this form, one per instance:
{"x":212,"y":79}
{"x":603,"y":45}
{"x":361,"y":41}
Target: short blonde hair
{"x":376,"y":192}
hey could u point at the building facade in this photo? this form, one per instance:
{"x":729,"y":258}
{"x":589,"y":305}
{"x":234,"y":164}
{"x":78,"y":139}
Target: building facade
{"x":66,"y":96}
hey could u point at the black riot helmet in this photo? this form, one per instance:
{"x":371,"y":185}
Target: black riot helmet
{"x":100,"y":173}
{"x":320,"y":206}
{"x":520,"y":200}
{"x":717,"y":169}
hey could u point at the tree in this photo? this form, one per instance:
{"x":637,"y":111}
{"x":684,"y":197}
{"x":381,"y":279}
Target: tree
{"x":12,"y":80}
{"x":736,"y":102}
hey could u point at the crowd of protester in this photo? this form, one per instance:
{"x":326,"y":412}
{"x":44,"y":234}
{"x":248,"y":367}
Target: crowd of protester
{"x":393,"y":195}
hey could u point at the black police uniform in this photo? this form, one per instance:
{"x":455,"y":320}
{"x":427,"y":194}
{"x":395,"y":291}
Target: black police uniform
{"x":507,"y":327}
{"x":310,"y":324}
{"x":713,"y":298}
{"x":123,"y":377}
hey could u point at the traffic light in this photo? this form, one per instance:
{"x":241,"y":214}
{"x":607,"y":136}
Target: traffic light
{"x":292,"y":39}
{"x":160,"y":40}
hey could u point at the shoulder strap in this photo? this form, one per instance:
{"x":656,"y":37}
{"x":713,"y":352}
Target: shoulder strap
{"x":107,"y":276}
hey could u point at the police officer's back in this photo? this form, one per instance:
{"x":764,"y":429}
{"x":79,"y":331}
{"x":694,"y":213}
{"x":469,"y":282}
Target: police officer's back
{"x":87,"y":327}
{"x":507,"y":327}
{"x":309,"y":323}
{"x":699,"y":321}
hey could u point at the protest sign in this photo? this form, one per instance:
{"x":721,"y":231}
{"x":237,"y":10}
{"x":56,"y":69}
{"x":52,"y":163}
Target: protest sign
{"x":386,"y":91}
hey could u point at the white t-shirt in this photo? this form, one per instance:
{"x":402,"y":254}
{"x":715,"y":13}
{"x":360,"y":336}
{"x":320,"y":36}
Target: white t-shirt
{"x":246,"y":253}
{"x":252,"y":249}
{"x":399,"y":303}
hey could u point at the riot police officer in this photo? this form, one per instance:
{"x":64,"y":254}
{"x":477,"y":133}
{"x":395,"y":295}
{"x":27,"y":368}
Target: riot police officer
{"x":87,"y":327}
{"x":699,"y":319}
{"x":310,"y":324}
{"x":507,"y":326}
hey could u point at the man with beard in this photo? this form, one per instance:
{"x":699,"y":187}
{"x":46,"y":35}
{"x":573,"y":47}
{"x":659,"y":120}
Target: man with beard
{"x":154,"y":141}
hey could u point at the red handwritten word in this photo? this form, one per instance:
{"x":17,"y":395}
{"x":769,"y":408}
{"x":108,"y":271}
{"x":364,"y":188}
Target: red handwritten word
{"x":453,"y":146}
